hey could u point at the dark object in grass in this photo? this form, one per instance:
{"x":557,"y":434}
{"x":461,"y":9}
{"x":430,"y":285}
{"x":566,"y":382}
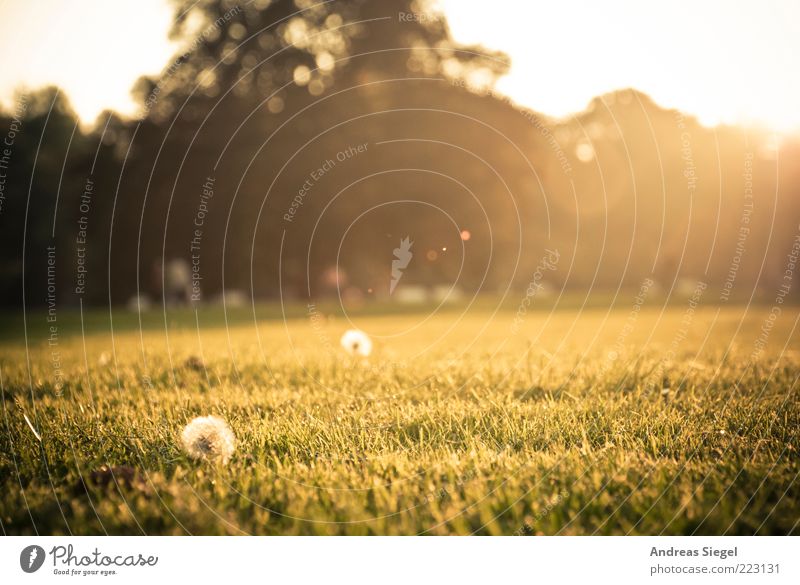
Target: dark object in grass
{"x":194,"y":363}
{"x":123,"y":476}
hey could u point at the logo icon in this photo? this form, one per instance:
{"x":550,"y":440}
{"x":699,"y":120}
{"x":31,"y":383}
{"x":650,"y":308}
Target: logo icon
{"x":31,"y":558}
{"x":402,"y":256}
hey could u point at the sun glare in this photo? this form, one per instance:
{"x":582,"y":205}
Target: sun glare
{"x":710,"y":59}
{"x":713,"y":59}
{"x":94,"y":50}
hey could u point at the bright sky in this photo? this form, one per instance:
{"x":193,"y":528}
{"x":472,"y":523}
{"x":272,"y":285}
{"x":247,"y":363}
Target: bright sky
{"x":721,"y":60}
{"x":724,"y":61}
{"x":94,"y":49}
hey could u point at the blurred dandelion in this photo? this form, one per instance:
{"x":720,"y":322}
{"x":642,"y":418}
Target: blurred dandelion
{"x":356,"y":342}
{"x":210,"y":438}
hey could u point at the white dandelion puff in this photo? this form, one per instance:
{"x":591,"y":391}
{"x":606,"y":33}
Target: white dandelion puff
{"x":208,"y":437}
{"x":356,"y":342}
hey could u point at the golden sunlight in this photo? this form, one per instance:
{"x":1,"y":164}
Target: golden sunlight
{"x":718,"y":60}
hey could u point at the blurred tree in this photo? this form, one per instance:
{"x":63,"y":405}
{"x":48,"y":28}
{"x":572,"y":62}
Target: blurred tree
{"x":257,"y":83}
{"x":363,"y":123}
{"x":50,"y":161}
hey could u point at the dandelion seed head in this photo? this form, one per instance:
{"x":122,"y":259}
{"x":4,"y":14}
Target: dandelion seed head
{"x":356,"y":342}
{"x":210,"y":438}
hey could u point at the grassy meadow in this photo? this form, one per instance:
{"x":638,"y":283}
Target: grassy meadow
{"x":462,"y":421}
